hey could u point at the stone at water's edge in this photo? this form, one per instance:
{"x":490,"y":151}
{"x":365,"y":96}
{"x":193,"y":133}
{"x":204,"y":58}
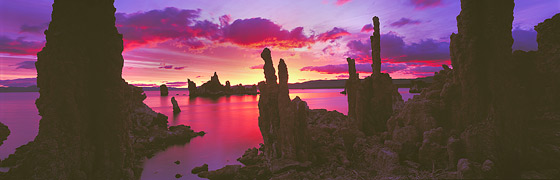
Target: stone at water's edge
{"x":4,"y":133}
{"x":163,"y":90}
{"x":214,"y":88}
{"x":176,"y":108}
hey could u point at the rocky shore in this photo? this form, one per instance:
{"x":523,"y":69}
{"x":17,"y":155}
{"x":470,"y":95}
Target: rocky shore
{"x":213,"y":88}
{"x":492,"y":116}
{"x":4,"y":133}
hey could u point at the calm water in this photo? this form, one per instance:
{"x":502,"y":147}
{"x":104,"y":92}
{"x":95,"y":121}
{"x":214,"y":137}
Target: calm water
{"x":230,"y":123}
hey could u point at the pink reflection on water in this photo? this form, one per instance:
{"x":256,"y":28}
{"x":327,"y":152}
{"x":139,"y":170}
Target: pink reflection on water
{"x":231,"y":124}
{"x":19,"y":113}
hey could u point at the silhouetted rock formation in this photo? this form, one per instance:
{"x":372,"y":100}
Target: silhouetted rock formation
{"x":163,"y":91}
{"x":282,"y":121}
{"x":416,"y":86}
{"x":376,"y":46}
{"x":4,"y":133}
{"x":214,"y":88}
{"x":94,"y":125}
{"x":176,"y":108}
{"x":192,"y":87}
{"x":351,"y":87}
{"x":373,"y":100}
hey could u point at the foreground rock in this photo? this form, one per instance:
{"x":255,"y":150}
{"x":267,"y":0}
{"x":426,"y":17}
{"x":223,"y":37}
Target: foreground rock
{"x":4,"y":133}
{"x":214,"y":88}
{"x":94,"y":125}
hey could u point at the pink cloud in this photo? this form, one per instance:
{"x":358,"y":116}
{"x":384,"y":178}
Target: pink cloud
{"x":158,"y":26}
{"x":367,"y":28}
{"x":423,"y":4}
{"x":334,"y":34}
{"x":341,"y":2}
{"x":260,"y":66}
{"x":183,"y":27}
{"x":259,"y":32}
{"x":144,"y":85}
{"x":19,"y":46}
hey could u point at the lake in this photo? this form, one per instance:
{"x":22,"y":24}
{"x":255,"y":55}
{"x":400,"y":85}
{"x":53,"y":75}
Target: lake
{"x":230,"y":123}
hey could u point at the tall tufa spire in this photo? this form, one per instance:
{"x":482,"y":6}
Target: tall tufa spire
{"x":376,"y":47}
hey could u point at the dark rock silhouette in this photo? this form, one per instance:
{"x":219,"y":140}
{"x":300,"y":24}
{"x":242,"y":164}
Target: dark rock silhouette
{"x":200,"y":169}
{"x":376,"y":46}
{"x":176,"y":108}
{"x":94,"y":125}
{"x":282,"y":121}
{"x":163,"y":90}
{"x":4,"y":133}
{"x":416,"y":86}
{"x":214,"y":88}
{"x":373,"y":100}
{"x":351,"y":87}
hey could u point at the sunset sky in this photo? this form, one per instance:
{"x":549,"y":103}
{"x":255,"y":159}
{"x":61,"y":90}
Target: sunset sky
{"x":172,"y":40}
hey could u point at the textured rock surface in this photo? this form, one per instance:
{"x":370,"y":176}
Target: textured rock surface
{"x":351,"y":87}
{"x":373,"y":100}
{"x":283,"y":122}
{"x":176,"y":108}
{"x":163,"y":90}
{"x":94,"y":125}
{"x":416,"y":86}
{"x":4,"y":133}
{"x":376,"y":46}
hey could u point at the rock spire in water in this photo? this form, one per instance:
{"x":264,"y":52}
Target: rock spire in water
{"x":163,"y":90}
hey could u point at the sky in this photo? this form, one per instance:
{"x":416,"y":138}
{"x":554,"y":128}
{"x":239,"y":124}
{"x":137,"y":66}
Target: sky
{"x":168,"y":42}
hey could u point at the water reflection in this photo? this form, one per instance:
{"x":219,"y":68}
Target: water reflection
{"x":231,"y":123}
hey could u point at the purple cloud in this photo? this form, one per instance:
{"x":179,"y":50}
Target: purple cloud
{"x":19,"y":46}
{"x":34,"y":29}
{"x":334,"y":34}
{"x":404,"y":21}
{"x":166,"y":67}
{"x":367,"y":28}
{"x":22,"y":82}
{"x":394,"y":49}
{"x":25,"y":65}
{"x":179,"y":68}
{"x":360,"y":68}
